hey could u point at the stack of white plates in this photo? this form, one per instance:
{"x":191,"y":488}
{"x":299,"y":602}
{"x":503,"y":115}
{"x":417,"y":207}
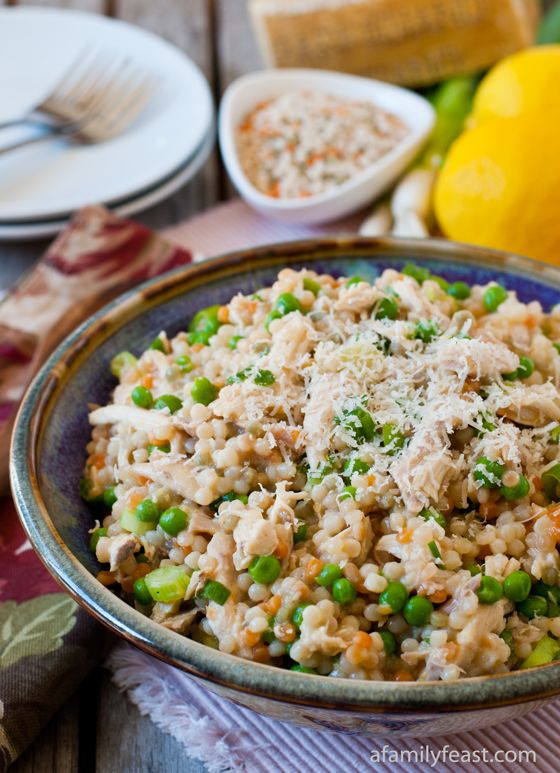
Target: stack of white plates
{"x":43,"y":184}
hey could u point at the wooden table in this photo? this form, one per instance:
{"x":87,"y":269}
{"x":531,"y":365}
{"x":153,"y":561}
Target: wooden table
{"x":99,"y":730}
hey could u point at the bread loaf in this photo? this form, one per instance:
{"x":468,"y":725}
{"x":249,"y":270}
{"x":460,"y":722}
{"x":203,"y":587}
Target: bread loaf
{"x":411,"y":42}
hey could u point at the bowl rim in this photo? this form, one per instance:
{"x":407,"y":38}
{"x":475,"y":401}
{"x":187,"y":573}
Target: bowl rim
{"x":418,"y":132}
{"x":221,"y":669}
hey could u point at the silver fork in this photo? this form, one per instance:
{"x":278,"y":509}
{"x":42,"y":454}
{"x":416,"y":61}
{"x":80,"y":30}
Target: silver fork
{"x":91,"y":103}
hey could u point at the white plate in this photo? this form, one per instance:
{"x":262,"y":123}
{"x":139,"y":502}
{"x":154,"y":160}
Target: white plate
{"x":52,"y":179}
{"x":246,"y":92}
{"x":40,"y":230}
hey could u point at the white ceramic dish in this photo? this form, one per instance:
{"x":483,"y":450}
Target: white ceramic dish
{"x":52,"y":179}
{"x":149,"y":198}
{"x":246,"y":92}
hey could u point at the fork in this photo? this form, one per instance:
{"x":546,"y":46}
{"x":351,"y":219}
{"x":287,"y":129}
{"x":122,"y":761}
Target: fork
{"x":91,"y":103}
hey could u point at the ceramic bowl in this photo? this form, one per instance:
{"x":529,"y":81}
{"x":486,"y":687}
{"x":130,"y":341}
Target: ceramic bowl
{"x":247,"y":92}
{"x":48,"y":454}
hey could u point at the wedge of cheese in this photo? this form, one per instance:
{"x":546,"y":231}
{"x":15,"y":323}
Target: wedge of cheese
{"x":411,"y":42}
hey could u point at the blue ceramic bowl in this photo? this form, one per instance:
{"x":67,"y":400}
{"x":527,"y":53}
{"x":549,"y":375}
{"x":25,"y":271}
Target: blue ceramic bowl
{"x":48,"y":455}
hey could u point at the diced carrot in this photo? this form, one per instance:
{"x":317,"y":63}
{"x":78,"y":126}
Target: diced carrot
{"x":223,"y":314}
{"x":537,"y":482}
{"x":361,"y":639}
{"x":489,"y":510}
{"x":261,"y":654}
{"x":197,"y":347}
{"x":403,"y":676}
{"x":313,"y":568}
{"x":106,"y":578}
{"x":285,"y":632}
{"x":370,"y":480}
{"x":294,"y":434}
{"x":405,"y":536}
{"x":134,"y":499}
{"x":438,"y":597}
{"x":147,"y":381}
{"x":281,"y":551}
{"x":250,"y":638}
{"x":98,"y":461}
{"x":272,"y":606}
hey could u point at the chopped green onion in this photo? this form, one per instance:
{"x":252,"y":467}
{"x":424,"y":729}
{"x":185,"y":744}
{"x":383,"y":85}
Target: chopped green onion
{"x":158,"y":345}
{"x":121,"y":362}
{"x":551,"y":482}
{"x":215,"y":591}
{"x":426,"y":330}
{"x":434,"y":550}
{"x":431,"y":512}
{"x":167,"y":584}
{"x":489,"y":472}
{"x":311,"y":285}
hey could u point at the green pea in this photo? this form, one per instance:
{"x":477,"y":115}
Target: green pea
{"x":431,"y":512}
{"x":121,"y":362}
{"x":141,"y":592}
{"x":165,"y":448}
{"x":95,"y":537}
{"x":489,"y":472}
{"x":264,"y":569}
{"x":507,"y":636}
{"x":426,"y":330}
{"x":474,"y":569}
{"x":358,"y":423}
{"x":147,"y":511}
{"x":389,"y":642}
{"x":311,"y":285}
{"x":394,"y":596}
{"x":264,"y":378}
{"x":142,"y":397}
{"x":524,"y":370}
{"x":533,"y":606}
{"x":173,"y":520}
{"x":171,"y":402}
{"x":343,"y":591}
{"x":355,"y":467}
{"x":354,"y":280}
{"x":302,"y":669}
{"x":517,"y":586}
{"x":297,"y":615}
{"x":493,"y":297}
{"x":459,"y":290}
{"x":184,"y":363}
{"x":439,"y":280}
{"x":392,"y":438}
{"x":416,"y":272}
{"x":203,"y":391}
{"x":229,"y":497}
{"x":158,"y":345}
{"x":204,"y":325}
{"x":284,"y":304}
{"x":549,"y":592}
{"x":520,"y":490}
{"x":551,"y":482}
{"x":109,"y":497}
{"x":417,"y":610}
{"x":328,"y":574}
{"x":232,"y":343}
{"x":489,"y":591}
{"x":215,"y":591}
{"x":557,"y":347}
{"x":386,"y":308}
{"x":300,"y":534}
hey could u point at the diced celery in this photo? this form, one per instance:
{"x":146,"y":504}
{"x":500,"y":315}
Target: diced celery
{"x":167,"y":584}
{"x":130,"y":522}
{"x":545,"y":651}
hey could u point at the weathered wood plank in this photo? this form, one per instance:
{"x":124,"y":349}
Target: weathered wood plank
{"x":236,"y":45}
{"x":56,"y":748}
{"x":189,"y":26}
{"x":127,"y":742}
{"x":96,"y":6}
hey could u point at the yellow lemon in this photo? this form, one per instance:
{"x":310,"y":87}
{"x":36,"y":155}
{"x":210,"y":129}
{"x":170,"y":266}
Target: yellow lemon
{"x":499,"y":186}
{"x":527,"y":82}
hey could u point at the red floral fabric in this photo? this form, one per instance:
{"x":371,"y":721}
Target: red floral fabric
{"x":47,"y":644}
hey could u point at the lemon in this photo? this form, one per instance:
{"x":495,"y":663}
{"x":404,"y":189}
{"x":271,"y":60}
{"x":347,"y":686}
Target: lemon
{"x":499,"y":186}
{"x":527,"y":82}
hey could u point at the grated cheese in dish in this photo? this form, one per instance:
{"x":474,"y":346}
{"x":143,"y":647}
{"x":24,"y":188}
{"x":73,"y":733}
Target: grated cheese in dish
{"x":308,"y":142}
